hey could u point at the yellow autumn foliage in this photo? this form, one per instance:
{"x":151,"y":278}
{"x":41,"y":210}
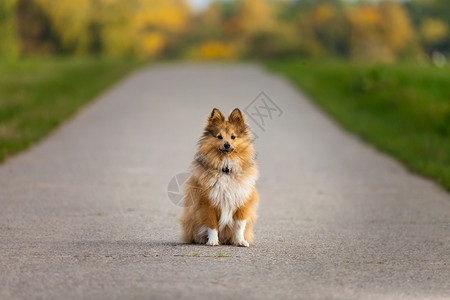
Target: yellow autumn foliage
{"x":379,"y":31}
{"x":396,"y":27}
{"x":8,"y":36}
{"x":323,"y":13}
{"x":433,"y":30}
{"x":375,"y":30}
{"x":167,"y":14}
{"x":71,"y":19}
{"x":140,"y":27}
{"x":151,"y":44}
{"x":209,"y":50}
{"x":254,"y":15}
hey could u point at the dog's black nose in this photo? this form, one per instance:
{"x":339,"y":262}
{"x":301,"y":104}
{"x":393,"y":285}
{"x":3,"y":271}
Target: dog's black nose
{"x":227,"y":145}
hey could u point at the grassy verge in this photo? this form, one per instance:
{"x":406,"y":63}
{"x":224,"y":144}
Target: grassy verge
{"x":403,"y":109}
{"x":36,"y":95}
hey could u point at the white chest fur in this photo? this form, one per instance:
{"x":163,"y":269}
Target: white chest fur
{"x":229,"y":191}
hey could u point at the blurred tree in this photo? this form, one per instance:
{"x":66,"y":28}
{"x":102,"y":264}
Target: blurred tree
{"x":257,"y":31}
{"x":437,"y":10}
{"x":157,"y":22}
{"x":421,"y":9}
{"x":396,"y":28}
{"x":71,"y":20}
{"x":116,"y":27}
{"x":34,"y":30}
{"x":272,"y":42}
{"x":117,"y":34}
{"x":365,"y":37}
{"x":254,"y":16}
{"x":379,"y":31}
{"x":8,"y":36}
{"x":323,"y":30}
{"x":433,"y":31}
{"x":211,"y":49}
{"x":210,"y":22}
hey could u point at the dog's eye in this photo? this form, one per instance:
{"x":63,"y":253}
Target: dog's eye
{"x":219,"y":137}
{"x":233,"y":137}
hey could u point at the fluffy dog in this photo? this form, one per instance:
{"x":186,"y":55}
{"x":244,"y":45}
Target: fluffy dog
{"x":220,"y":195}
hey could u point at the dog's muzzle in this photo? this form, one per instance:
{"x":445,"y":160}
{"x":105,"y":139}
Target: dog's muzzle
{"x":226,"y":151}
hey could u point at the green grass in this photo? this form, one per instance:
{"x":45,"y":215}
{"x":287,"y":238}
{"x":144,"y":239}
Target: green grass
{"x":191,"y":255}
{"x":36,"y":95}
{"x":403,"y":109}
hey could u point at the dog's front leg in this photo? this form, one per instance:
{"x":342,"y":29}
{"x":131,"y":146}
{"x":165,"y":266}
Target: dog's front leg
{"x":210,"y":221}
{"x":213,"y":237}
{"x":239,"y":233}
{"x":240,"y":222}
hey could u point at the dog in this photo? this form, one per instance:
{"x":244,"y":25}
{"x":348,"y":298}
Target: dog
{"x":220,"y":195}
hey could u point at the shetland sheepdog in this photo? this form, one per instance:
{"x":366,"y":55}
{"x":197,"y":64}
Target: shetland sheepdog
{"x":220,"y":196}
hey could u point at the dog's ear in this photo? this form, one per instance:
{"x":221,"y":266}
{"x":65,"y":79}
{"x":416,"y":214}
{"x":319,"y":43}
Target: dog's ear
{"x":216,"y":116}
{"x":236,"y":117}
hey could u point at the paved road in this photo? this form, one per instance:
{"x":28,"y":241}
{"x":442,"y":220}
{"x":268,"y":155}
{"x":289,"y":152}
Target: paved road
{"x":85,"y":214}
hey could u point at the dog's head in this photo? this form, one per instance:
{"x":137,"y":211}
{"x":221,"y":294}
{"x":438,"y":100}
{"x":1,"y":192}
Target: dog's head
{"x":226,"y":136}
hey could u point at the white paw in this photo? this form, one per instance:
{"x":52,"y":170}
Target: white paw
{"x":242,"y":243}
{"x":212,"y":242}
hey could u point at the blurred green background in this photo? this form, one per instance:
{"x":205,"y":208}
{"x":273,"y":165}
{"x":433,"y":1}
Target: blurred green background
{"x":369,"y":30}
{"x":378,"y":67}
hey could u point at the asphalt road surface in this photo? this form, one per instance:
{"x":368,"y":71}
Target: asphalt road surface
{"x":86,"y":214}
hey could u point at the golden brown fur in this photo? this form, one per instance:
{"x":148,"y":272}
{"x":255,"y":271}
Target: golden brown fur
{"x":220,"y":190}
